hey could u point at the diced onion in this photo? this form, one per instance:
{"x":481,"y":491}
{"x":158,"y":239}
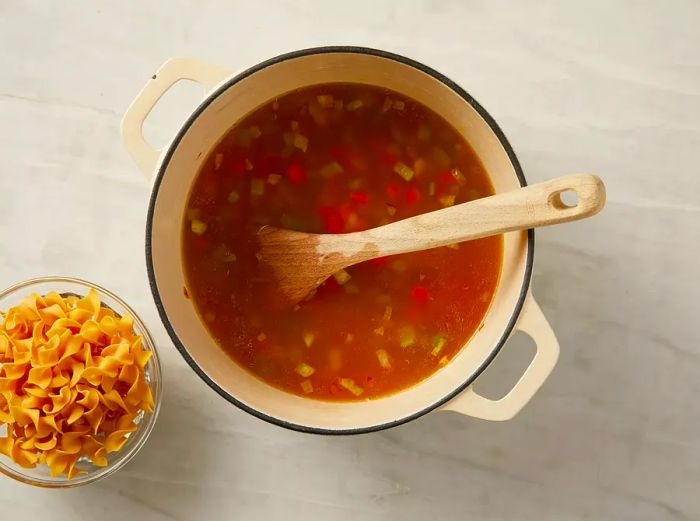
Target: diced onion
{"x":274,"y":179}
{"x":354,"y":105}
{"x":383,"y":358}
{"x":305,"y":370}
{"x":233,"y":197}
{"x":387,"y":313}
{"x":341,"y":277}
{"x":386,"y":105}
{"x":300,"y":142}
{"x":407,"y":337}
{"x":439,"y":342}
{"x":309,"y":339}
{"x":218,"y":160}
{"x":399,"y":105}
{"x":379,"y":331}
{"x":447,"y":200}
{"x":325,"y":100}
{"x":257,"y":187}
{"x":306,"y":386}
{"x":261,"y":337}
{"x":198,"y":227}
{"x":349,"y":384}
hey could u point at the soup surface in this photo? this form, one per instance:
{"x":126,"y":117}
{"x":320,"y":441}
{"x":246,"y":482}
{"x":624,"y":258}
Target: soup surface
{"x":338,"y":158}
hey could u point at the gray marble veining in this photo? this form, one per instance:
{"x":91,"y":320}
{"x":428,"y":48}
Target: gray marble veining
{"x":605,"y":87}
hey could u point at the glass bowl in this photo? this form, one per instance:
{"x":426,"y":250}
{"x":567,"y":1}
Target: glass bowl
{"x":40,"y":476}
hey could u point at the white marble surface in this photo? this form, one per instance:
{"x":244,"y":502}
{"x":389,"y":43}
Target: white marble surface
{"x":607,"y":87}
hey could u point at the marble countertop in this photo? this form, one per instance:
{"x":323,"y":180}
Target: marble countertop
{"x":605,"y":87}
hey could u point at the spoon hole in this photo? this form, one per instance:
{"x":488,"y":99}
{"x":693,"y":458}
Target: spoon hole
{"x":564,"y":199}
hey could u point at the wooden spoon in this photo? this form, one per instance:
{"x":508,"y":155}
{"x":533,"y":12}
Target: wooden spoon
{"x":302,"y":261}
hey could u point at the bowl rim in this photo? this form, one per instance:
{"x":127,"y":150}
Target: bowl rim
{"x":175,"y":142}
{"x":156,"y":384}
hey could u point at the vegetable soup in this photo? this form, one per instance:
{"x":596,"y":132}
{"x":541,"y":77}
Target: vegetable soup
{"x":338,"y":158}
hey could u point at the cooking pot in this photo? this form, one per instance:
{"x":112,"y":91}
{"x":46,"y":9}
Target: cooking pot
{"x":229,"y":98}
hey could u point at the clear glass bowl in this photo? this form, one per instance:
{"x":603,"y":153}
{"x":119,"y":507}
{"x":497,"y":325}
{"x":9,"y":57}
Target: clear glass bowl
{"x":40,"y":475}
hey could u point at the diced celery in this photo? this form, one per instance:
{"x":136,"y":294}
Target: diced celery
{"x":307,"y":386}
{"x":325,"y":100}
{"x":439,"y":342}
{"x":248,"y":165}
{"x":218,"y":160}
{"x":198,"y":227}
{"x":420,"y":166}
{"x":261,"y":337}
{"x":423,"y":133}
{"x":257,"y":187}
{"x":443,"y":361}
{"x":441,"y":157}
{"x":459,"y":176}
{"x":349,"y":384}
{"x":404,"y":171}
{"x":386,"y":105}
{"x":399,"y":105}
{"x":254,"y":132}
{"x":331,"y":169}
{"x":351,"y":289}
{"x":309,"y":339}
{"x":407,"y":337}
{"x":379,"y":331}
{"x":305,"y":370}
{"x":383,"y":358}
{"x":233,"y":197}
{"x":431,"y":188}
{"x":398,"y":265}
{"x":274,"y":179}
{"x":354,"y":105}
{"x":355,"y":184}
{"x":447,"y":200}
{"x":300,"y":142}
{"x":387,"y":313}
{"x":341,"y":277}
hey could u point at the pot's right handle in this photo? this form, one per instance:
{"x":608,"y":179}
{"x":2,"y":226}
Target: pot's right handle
{"x":144,"y":154}
{"x":533,"y":322}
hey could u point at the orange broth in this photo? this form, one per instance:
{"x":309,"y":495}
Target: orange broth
{"x":338,"y":158}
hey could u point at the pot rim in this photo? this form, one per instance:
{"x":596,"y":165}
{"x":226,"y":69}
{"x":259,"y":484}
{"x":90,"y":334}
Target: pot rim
{"x":174,"y":143}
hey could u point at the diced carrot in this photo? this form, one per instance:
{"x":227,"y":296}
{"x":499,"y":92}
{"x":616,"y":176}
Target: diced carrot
{"x":238,"y":164}
{"x":412,"y":195}
{"x":446,"y":178}
{"x":360,"y":197}
{"x":378,"y":262}
{"x":389,"y":158}
{"x":419,"y":293}
{"x":332,"y":220}
{"x":393,"y":191}
{"x":296,"y":174}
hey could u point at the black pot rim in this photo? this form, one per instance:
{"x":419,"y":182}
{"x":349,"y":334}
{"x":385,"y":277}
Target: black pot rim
{"x":163,"y":167}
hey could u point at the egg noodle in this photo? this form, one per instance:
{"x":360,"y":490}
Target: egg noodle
{"x":72,"y":381}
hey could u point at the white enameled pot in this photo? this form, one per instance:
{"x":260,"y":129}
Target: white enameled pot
{"x":230,"y":97}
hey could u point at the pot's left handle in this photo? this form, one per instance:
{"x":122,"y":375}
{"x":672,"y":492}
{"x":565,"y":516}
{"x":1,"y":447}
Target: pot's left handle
{"x":144,"y":154}
{"x":533,"y":322}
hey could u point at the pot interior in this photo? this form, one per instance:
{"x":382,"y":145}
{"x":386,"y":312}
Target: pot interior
{"x":231,"y":102}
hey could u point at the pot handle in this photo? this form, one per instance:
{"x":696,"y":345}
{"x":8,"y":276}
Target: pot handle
{"x":176,"y":69}
{"x":533,"y":322}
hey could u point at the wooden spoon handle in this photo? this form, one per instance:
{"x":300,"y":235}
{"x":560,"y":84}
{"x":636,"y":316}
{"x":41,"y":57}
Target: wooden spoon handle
{"x":533,"y":206}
